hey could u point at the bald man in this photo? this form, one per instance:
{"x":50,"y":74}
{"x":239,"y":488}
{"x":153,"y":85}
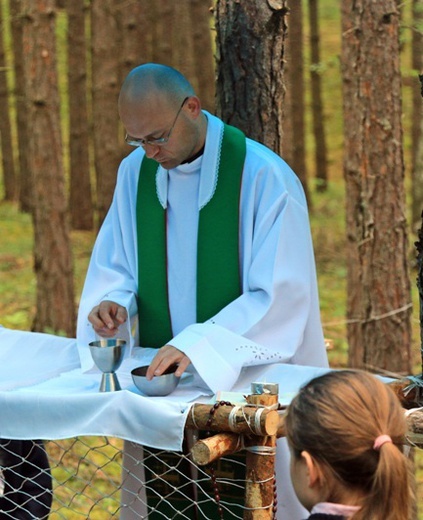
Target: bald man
{"x":206,"y":254}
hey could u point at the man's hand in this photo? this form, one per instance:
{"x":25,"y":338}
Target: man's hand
{"x":165,"y":357}
{"x":106,"y":318}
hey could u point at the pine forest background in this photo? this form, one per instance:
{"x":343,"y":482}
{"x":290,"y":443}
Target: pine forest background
{"x":58,"y":170}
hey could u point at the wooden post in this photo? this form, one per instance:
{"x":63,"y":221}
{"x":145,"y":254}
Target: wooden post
{"x":260,"y":461}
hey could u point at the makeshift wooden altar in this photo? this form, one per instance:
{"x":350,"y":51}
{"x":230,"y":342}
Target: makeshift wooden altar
{"x":44,"y":395}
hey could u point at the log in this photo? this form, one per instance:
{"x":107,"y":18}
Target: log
{"x":260,"y":481}
{"x":415,"y":427}
{"x":409,"y":397}
{"x":237,"y":419}
{"x":208,"y":450}
{"x":280,"y":432}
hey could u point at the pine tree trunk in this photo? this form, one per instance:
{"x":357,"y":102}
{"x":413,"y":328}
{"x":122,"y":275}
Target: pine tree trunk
{"x":81,"y":206}
{"x":105,"y":91}
{"x":320,"y":152}
{"x":162,"y":29}
{"x":183,"y":51}
{"x":134,"y":40}
{"x":8,"y":166}
{"x":250,"y":51}
{"x":201,"y":19}
{"x":135,"y":44}
{"x":55,"y":309}
{"x":25,"y":186}
{"x":379,"y":300}
{"x":417,"y":115}
{"x":295,"y":83}
{"x":287,"y":146}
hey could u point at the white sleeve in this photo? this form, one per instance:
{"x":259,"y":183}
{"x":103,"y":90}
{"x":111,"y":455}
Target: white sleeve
{"x":112,"y":272}
{"x":277,"y":317}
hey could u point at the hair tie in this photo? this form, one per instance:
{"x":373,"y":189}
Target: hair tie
{"x":380,"y":441}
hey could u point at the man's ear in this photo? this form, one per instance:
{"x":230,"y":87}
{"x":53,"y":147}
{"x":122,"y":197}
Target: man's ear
{"x":194,"y":106}
{"x":313,"y":471}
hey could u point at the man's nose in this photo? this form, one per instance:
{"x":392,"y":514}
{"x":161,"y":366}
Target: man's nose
{"x":151,"y":150}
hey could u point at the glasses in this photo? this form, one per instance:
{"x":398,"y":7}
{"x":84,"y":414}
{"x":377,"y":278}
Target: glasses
{"x":160,"y":141}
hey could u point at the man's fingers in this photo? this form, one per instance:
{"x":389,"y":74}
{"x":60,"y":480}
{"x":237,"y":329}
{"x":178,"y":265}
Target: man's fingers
{"x":104,"y":313}
{"x":166,"y":357}
{"x":106,"y":318}
{"x":121,"y":315}
{"x":94,"y":318}
{"x":182,"y":366}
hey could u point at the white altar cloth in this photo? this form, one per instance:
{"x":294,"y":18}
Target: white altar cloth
{"x":45,"y":395}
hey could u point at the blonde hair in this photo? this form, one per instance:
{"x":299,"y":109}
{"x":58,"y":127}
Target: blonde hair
{"x":336,"y":418}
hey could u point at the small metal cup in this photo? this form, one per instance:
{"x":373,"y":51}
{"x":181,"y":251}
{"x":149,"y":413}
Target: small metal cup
{"x":265,"y":388}
{"x":108,"y":355}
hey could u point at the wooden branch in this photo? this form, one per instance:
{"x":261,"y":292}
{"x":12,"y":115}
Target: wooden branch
{"x":280,"y":432}
{"x":208,"y":450}
{"x":260,"y":478}
{"x":410,"y":398}
{"x":260,"y":468}
{"x":238,"y":419}
{"x":415,"y":428}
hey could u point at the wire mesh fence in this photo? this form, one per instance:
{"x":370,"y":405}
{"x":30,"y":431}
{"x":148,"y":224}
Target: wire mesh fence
{"x":107,"y":478}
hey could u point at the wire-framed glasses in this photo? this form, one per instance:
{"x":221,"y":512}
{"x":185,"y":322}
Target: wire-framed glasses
{"x":134,"y":141}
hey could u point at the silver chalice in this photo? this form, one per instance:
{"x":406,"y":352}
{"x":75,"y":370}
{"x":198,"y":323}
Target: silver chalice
{"x":108,"y":355}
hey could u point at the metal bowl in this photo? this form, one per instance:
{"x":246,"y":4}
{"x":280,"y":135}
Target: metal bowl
{"x":159,"y":385}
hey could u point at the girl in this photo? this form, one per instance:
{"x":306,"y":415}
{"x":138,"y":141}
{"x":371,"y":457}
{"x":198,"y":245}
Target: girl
{"x":345,"y":430}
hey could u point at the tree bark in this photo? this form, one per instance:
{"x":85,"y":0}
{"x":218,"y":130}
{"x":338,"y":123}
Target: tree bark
{"x":260,"y":468}
{"x":105,"y":91}
{"x":378,"y":285}
{"x":295,"y":83}
{"x":208,"y":450}
{"x":55,"y":309}
{"x":416,"y":116}
{"x":201,"y":20}
{"x":243,"y":420}
{"x":8,"y":165}
{"x":182,"y":42}
{"x":250,"y":82}
{"x":134,"y":36}
{"x":81,"y":206}
{"x":320,"y":150}
{"x":25,"y":186}
{"x":162,"y":28}
{"x":135,"y":44}
{"x":287,"y":145}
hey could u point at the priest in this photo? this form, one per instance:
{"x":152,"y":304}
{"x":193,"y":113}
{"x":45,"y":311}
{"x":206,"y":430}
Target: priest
{"x":205,"y":254}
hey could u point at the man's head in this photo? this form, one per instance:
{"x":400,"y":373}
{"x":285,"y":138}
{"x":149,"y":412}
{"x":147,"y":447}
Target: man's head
{"x":159,"y":110}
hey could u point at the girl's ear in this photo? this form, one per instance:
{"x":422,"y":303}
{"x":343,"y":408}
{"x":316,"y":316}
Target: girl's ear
{"x":313,"y":471}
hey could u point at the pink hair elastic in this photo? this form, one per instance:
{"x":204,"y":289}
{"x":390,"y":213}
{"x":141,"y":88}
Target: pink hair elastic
{"x":380,"y":441}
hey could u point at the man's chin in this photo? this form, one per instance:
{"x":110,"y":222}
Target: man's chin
{"x":168,"y":164}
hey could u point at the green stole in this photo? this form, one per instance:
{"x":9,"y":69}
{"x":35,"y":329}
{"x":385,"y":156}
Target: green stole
{"x":218,"y":276}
